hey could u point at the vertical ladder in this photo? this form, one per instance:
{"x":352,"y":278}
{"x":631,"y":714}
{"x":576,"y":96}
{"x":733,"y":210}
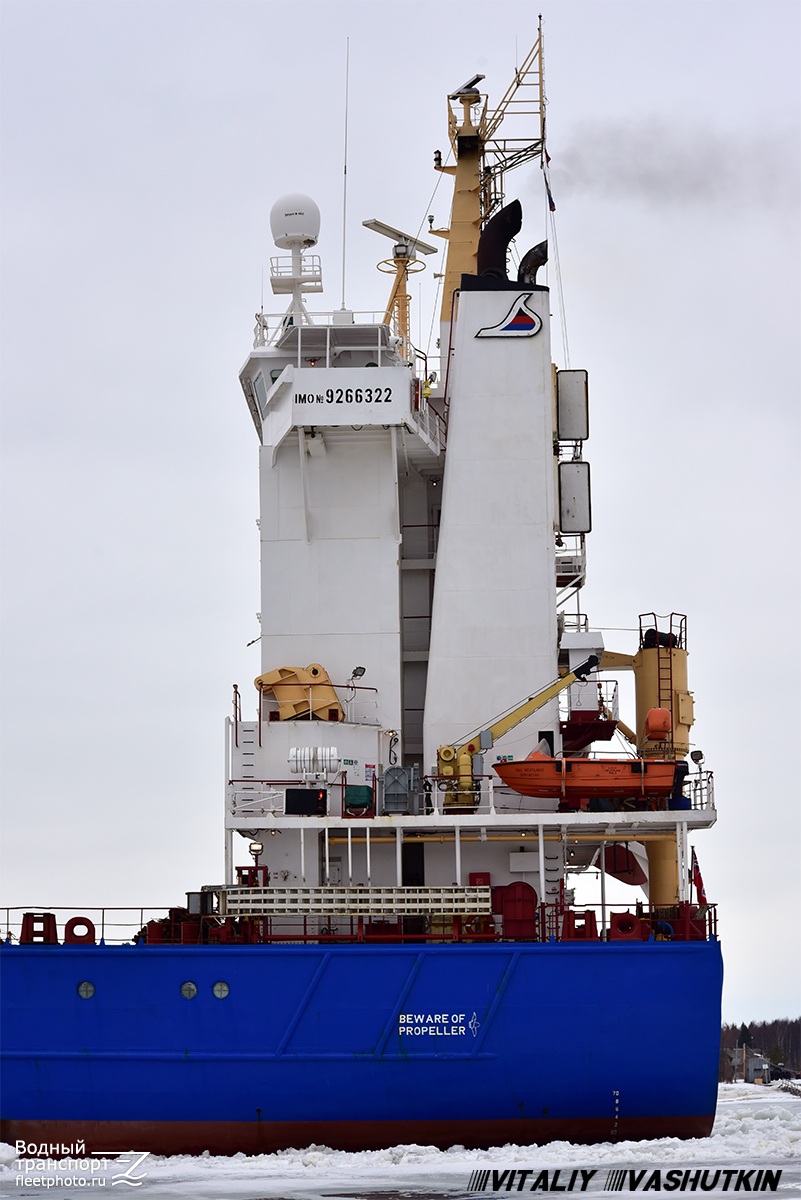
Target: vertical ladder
{"x":674,"y":638}
{"x":551,"y":885}
{"x":248,"y":737}
{"x":664,"y":685}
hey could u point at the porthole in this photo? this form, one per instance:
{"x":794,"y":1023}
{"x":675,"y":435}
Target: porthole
{"x":86,"y":990}
{"x":189,"y":990}
{"x":221,"y":989}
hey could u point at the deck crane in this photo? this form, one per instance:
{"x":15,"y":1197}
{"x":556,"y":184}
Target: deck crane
{"x":455,"y":763}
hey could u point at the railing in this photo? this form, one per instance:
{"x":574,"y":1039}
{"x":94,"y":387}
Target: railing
{"x":266,"y":797}
{"x":667,"y":630}
{"x":429,"y":423}
{"x":456,"y":917}
{"x":271,"y":327}
{"x":571,"y":559}
{"x":491,"y":796}
{"x":420,"y":541}
{"x":439,"y":795}
{"x":360,"y":705}
{"x":260,"y":800}
{"x":285,"y":266}
{"x":109,"y":926}
{"x":593,"y":695}
{"x":575,"y":622}
{"x":700,"y":790}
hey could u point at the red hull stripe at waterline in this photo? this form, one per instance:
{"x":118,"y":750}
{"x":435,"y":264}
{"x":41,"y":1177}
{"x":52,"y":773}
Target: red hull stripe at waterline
{"x":263,"y":1137}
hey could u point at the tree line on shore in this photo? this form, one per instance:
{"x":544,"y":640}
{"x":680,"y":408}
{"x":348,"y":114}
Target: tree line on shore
{"x":779,"y":1041}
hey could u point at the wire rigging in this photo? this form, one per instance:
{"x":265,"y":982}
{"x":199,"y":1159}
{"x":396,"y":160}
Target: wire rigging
{"x":559,"y":290}
{"x":345,"y":167}
{"x":420,"y":227}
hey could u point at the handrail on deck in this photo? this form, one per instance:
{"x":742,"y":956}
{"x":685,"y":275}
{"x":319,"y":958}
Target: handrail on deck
{"x":544,"y":922}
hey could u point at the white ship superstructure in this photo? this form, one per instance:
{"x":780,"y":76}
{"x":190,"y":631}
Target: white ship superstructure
{"x":423,"y":529}
{"x":419,"y":530}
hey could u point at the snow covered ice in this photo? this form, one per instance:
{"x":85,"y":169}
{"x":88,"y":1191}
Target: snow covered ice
{"x":755,"y":1127}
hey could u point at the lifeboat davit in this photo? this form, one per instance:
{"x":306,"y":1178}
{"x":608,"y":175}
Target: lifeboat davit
{"x":592,"y":779}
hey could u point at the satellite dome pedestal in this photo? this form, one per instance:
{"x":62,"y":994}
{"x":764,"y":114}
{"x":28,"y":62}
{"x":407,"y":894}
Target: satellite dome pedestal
{"x":295,"y":226}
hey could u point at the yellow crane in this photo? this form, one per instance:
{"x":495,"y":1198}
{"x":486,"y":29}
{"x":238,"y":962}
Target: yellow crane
{"x":455,"y":763}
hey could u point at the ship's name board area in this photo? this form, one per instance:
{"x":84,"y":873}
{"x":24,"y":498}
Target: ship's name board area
{"x":345,"y":396}
{"x":418,"y":1025}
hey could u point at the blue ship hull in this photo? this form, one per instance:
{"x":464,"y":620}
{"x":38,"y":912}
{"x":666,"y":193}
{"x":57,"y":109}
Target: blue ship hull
{"x":359,"y":1046}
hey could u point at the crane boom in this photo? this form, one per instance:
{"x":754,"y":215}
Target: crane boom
{"x":538,"y":700}
{"x":456,"y":762}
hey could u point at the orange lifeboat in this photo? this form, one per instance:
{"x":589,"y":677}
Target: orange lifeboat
{"x":602,"y":779}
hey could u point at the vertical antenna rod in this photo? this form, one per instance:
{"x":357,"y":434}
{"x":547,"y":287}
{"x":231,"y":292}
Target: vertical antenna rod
{"x":345,"y":168}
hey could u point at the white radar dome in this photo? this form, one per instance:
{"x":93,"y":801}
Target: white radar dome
{"x":295,"y":222}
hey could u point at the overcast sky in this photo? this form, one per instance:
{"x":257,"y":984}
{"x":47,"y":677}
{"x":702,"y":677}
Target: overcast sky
{"x":143,"y":144}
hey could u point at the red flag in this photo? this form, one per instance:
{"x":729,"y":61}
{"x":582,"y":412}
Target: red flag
{"x":695,"y":875}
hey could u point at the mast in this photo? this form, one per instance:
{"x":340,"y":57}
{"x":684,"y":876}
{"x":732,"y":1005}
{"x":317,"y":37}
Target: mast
{"x":402,"y":264}
{"x":482,"y":157}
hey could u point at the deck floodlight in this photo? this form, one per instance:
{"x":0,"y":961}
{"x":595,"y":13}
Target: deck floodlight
{"x":357,"y":672}
{"x":697,"y":756}
{"x":255,"y":849}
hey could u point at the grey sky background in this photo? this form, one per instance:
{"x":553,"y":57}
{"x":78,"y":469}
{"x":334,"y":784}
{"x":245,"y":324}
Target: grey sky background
{"x":143,"y":144}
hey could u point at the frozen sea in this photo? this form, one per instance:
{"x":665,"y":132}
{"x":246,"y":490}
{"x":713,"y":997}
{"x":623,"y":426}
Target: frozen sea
{"x":757,"y":1128}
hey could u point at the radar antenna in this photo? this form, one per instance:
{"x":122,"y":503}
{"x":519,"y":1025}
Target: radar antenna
{"x":402,"y":264}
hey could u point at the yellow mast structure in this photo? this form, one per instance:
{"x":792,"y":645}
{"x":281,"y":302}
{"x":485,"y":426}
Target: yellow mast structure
{"x":482,"y":157}
{"x":402,"y":264}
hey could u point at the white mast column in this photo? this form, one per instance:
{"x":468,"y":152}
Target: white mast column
{"x":493,"y":634}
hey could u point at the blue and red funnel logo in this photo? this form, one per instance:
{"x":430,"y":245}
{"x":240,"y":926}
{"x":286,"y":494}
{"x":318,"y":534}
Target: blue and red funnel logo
{"x":520,"y":321}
